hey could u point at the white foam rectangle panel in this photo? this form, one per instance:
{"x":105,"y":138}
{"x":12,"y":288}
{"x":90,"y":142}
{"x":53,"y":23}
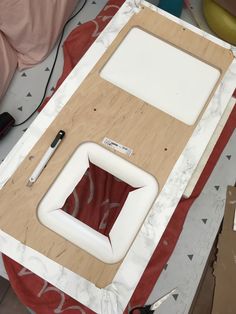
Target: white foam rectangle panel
{"x":162,"y":75}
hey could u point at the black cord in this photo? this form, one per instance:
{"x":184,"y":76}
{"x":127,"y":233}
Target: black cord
{"x":53,"y":66}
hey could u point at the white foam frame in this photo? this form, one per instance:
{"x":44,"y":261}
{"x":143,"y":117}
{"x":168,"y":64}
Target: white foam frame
{"x":110,"y":249}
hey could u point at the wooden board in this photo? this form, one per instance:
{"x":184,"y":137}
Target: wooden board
{"x":99,"y":109}
{"x":202,"y":163}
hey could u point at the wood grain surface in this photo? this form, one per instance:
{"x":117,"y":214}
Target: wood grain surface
{"x":99,"y":109}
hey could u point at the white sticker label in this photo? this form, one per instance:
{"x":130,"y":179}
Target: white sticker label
{"x":117,"y":146}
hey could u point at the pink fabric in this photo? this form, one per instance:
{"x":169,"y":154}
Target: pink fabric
{"x":33,"y":26}
{"x":8,"y":63}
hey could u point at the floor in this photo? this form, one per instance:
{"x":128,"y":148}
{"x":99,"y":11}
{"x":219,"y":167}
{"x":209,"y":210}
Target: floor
{"x":9,"y":303}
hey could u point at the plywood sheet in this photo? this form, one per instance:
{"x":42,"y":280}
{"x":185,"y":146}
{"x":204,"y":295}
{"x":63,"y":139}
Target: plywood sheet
{"x":99,"y":109}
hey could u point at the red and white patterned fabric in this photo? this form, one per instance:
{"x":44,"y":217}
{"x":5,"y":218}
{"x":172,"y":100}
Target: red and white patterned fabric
{"x":98,"y":198}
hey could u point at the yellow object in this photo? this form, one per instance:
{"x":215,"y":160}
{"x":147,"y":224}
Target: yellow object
{"x":220,"y":21}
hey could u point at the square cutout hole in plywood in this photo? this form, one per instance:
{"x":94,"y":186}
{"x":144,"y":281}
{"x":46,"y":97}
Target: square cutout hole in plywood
{"x":97,"y":199}
{"x":161,"y":75}
{"x":112,"y":248}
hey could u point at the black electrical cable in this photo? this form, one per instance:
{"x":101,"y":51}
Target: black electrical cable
{"x":53,"y":66}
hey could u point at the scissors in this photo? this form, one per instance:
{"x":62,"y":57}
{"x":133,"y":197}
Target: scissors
{"x":149,"y":309}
